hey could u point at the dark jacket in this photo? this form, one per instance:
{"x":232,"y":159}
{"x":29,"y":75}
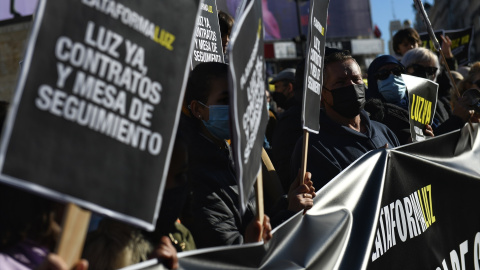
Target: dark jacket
{"x":336,"y":146}
{"x":394,"y":116}
{"x":214,"y":216}
{"x":288,"y":130}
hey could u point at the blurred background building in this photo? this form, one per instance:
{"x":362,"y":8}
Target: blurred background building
{"x":449,"y":15}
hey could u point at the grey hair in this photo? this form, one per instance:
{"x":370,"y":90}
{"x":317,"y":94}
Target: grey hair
{"x":418,"y":55}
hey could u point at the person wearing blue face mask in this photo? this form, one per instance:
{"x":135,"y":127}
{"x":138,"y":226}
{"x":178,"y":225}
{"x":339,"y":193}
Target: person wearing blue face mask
{"x":387,"y":97}
{"x":212,"y":213}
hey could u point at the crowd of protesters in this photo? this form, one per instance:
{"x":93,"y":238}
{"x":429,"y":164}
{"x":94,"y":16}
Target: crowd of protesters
{"x":200,"y":206}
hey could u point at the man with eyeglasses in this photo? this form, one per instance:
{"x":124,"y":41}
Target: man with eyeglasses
{"x":346,"y":132}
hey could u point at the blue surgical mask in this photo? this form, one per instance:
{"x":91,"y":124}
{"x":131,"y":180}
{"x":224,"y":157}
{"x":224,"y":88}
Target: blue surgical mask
{"x":392,"y":88}
{"x":218,"y":123}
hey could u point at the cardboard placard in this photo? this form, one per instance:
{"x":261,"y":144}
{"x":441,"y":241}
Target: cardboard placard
{"x":314,"y":65}
{"x":422,"y":96}
{"x":97,"y":104}
{"x":247,"y":96}
{"x":208,"y":39}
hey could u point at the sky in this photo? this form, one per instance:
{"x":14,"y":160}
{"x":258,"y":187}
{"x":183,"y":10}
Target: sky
{"x":384,"y":11}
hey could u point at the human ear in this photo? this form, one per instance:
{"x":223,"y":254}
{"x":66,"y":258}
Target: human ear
{"x":198,"y":110}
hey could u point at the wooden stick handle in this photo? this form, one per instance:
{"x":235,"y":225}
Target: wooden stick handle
{"x":304,"y":154}
{"x":259,"y":199}
{"x":74,"y":231}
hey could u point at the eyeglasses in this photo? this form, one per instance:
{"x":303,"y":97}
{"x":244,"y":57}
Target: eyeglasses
{"x":421,"y":71}
{"x":384,"y":73}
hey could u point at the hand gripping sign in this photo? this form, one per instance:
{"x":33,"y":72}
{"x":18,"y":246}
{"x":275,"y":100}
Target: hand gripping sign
{"x":422,"y":96}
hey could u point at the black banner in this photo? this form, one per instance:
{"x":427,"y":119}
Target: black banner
{"x":208,"y":39}
{"x":247,"y":96}
{"x":97,"y":103}
{"x":412,"y":207}
{"x":314,"y":65}
{"x":461,"y":42}
{"x":422,"y":96}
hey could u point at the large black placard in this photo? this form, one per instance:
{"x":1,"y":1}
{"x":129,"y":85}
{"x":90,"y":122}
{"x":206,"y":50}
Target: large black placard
{"x":247,"y":96}
{"x":97,"y":103}
{"x":314,"y":65}
{"x":208,"y":39}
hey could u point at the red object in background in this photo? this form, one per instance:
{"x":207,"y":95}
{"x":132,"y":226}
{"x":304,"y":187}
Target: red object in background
{"x":377,"y":32}
{"x":268,"y":50}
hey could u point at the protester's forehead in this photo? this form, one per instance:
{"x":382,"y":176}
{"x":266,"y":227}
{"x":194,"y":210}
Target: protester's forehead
{"x":346,"y":67}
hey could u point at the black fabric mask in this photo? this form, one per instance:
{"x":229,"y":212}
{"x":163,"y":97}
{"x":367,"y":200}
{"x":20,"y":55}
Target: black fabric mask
{"x":348,"y":101}
{"x":280,"y":99}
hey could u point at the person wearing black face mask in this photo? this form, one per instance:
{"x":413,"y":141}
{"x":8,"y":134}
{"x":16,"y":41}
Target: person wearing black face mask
{"x":284,"y":89}
{"x":346,"y":131}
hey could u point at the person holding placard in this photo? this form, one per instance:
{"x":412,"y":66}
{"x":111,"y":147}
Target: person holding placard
{"x":424,"y":63}
{"x":346,"y":131}
{"x":387,"y":101}
{"x":213,"y":215}
{"x":29,"y":230}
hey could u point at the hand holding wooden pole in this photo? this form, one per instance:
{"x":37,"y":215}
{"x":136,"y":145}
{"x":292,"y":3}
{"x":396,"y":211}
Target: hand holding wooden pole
{"x":259,"y":199}
{"x":304,"y":155}
{"x":74,"y":230}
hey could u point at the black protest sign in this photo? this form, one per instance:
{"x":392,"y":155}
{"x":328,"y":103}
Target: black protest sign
{"x":314,"y":65}
{"x":247,"y":96}
{"x":422,"y":96}
{"x":97,"y":103}
{"x":208,"y":39}
{"x":427,"y":42}
{"x":461,"y":42}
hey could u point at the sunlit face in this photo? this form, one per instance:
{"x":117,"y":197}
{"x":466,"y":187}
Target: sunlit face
{"x":406,"y":46}
{"x":340,"y":74}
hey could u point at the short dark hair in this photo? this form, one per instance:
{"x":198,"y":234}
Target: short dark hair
{"x":199,"y":82}
{"x":337,"y":56}
{"x":226,"y":22}
{"x":409,"y":34}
